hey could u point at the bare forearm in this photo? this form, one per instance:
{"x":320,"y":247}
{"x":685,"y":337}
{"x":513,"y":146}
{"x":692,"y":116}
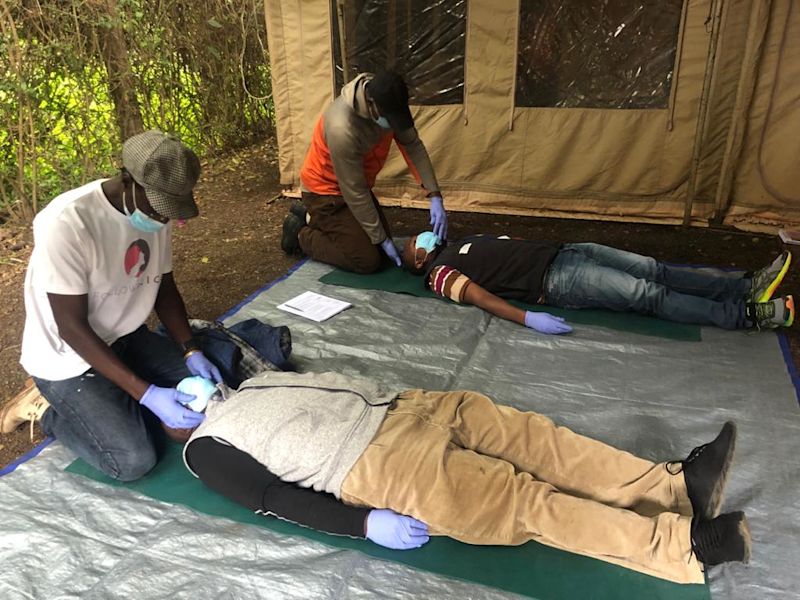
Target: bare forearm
{"x":71,"y":316}
{"x":474,"y":294}
{"x":171,"y":310}
{"x":82,"y":338}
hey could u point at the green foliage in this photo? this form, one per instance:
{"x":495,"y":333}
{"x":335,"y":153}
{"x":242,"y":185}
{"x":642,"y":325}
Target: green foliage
{"x":196,"y":69}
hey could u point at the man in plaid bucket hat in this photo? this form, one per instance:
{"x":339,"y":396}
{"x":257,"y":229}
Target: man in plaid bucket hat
{"x":102,"y":261}
{"x":166,"y":170}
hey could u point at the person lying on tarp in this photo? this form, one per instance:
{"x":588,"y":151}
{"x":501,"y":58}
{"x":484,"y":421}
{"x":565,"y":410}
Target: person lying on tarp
{"x":489,"y":270}
{"x":344,"y":224}
{"x":346,"y":456}
{"x":101,"y":263}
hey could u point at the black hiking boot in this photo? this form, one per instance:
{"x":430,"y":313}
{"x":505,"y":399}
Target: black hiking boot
{"x":292,"y":224}
{"x":299,"y":209}
{"x":706,"y":472}
{"x":724,"y":539}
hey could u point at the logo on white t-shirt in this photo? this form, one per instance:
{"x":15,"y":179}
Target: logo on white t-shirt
{"x":137,"y":257}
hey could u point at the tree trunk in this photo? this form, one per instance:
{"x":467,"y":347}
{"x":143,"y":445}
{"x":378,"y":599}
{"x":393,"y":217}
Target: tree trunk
{"x":120,"y":75}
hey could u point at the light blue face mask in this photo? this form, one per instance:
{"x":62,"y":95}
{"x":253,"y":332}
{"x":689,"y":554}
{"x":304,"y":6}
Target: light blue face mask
{"x":383,"y":122}
{"x":138,"y":219}
{"x":426,"y":241}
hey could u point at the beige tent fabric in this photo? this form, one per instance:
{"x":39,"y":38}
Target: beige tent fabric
{"x":632,"y":164}
{"x":279,"y":67}
{"x":766,"y":188}
{"x":299,"y":42}
{"x":742,"y":44}
{"x":732,"y":75}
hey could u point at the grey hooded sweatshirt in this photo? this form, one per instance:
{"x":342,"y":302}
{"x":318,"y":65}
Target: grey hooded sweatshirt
{"x":330,"y":416}
{"x":348,"y":143}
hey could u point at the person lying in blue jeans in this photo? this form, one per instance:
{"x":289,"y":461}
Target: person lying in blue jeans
{"x":489,"y":270}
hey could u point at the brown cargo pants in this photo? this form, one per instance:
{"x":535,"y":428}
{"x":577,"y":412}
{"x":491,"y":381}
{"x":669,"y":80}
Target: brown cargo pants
{"x":489,"y":474}
{"x":334,"y":236}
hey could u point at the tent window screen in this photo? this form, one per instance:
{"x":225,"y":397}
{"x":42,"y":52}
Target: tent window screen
{"x":421,"y":39}
{"x":611,"y":54}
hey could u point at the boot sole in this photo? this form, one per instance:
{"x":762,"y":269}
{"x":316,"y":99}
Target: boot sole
{"x":718,"y":493}
{"x":790,"y":307}
{"x":744,"y":530}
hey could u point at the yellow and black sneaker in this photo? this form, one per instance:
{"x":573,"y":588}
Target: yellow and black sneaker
{"x":767,"y":280}
{"x":778,"y":312}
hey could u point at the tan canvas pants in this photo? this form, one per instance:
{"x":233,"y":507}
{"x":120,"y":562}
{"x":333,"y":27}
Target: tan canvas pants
{"x":489,"y":474}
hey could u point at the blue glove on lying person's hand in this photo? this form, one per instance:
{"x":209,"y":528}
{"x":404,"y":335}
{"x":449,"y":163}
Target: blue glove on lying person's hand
{"x":546,"y":323}
{"x":398,"y":532}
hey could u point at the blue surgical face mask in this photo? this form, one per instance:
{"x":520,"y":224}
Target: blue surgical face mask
{"x":383,"y":122}
{"x":138,"y":219}
{"x":426,"y":241}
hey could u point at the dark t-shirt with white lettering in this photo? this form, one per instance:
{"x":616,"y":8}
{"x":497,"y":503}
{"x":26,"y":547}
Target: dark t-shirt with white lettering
{"x":509,"y":268}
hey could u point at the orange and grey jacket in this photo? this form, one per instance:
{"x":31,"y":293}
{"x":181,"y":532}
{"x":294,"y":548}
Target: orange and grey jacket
{"x":348,"y":149}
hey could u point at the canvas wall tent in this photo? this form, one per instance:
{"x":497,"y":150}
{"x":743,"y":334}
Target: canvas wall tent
{"x":643,"y":110}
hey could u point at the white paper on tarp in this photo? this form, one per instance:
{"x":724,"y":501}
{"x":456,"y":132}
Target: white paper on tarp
{"x":314,"y":306}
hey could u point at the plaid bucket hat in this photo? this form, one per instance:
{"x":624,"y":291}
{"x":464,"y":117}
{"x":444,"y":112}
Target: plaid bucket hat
{"x":166,"y":169}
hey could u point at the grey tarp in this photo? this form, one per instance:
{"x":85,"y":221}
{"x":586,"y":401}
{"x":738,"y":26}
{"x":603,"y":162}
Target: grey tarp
{"x":64,"y":536}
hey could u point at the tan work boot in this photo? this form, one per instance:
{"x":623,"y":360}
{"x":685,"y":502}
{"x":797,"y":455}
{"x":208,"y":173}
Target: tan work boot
{"x":28,"y":405}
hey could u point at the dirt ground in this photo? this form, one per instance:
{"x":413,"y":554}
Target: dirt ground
{"x":233,"y":249}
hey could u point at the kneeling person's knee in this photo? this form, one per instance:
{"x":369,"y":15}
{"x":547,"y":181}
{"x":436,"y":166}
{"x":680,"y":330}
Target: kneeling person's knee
{"x":367,"y":260}
{"x":131,"y":464}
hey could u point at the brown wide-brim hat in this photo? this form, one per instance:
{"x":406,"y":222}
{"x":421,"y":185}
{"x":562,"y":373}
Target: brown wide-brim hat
{"x":166,"y":169}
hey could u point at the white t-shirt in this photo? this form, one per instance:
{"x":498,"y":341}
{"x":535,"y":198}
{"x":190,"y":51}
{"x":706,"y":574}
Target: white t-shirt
{"x":83,"y":245}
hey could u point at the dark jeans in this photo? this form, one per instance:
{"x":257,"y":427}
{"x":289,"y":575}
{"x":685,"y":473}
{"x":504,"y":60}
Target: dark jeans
{"x":99,"y":421}
{"x":334,"y":236}
{"x":596,"y":276}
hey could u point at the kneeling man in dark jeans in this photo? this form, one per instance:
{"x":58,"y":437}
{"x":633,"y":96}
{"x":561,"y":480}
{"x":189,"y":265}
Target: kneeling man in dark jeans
{"x":101,"y":263}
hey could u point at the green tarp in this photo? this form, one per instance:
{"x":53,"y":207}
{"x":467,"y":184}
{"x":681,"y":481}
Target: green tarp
{"x":402,"y":282}
{"x":532,"y":570}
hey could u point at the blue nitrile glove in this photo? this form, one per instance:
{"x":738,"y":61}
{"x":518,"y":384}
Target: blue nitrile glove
{"x":546,"y":323}
{"x":438,"y":218}
{"x":165,"y":403}
{"x":389,"y":248}
{"x":198,"y":364}
{"x":398,"y":532}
